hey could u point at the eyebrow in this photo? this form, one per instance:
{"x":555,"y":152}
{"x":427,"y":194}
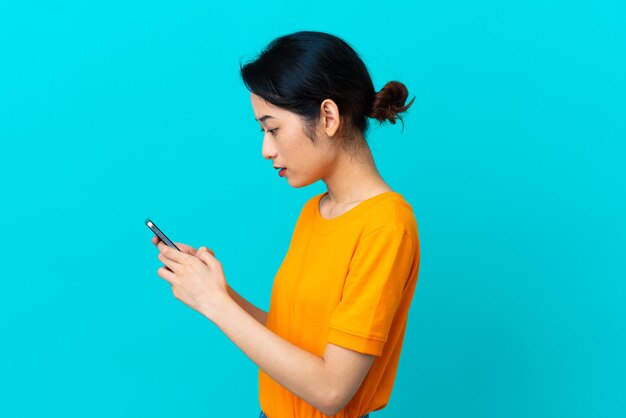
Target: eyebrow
{"x":262,"y":118}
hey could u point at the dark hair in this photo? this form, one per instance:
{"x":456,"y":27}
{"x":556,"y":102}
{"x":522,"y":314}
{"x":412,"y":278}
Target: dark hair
{"x":299,"y":71}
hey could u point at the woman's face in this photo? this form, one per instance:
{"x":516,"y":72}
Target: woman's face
{"x":287,"y":145}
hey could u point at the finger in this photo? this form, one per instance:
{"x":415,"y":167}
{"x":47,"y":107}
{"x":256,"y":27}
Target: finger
{"x":172,"y":253}
{"x":186,"y":248}
{"x":166,"y":274}
{"x":173,"y":265}
{"x":208,"y":249}
{"x":207,"y":257}
{"x":155,"y":240}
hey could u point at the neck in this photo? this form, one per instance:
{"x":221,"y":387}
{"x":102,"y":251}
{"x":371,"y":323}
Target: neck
{"x":354,"y":177}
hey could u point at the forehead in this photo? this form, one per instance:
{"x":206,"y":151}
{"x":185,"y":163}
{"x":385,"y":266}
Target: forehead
{"x":263,"y":108}
{"x":260,"y":103}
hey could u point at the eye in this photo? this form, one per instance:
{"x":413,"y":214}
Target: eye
{"x":272,"y":131}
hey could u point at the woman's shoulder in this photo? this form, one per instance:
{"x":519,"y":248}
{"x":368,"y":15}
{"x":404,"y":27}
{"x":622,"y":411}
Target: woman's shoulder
{"x":393,"y":211}
{"x":312,"y":203}
{"x":387,"y":209}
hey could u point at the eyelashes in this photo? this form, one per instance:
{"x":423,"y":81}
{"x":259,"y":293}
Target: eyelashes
{"x":271,"y":131}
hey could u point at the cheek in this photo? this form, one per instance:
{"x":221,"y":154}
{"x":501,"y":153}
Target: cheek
{"x":304,"y":148}
{"x":297,"y":149}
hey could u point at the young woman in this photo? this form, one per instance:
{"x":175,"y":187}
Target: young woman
{"x":330,"y":343}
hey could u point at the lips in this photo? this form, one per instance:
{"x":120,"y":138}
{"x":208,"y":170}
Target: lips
{"x":281,"y":170}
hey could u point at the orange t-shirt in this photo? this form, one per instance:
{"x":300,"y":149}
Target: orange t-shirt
{"x":348,"y":281}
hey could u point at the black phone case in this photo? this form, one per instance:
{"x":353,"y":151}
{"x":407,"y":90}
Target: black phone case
{"x":160,"y":234}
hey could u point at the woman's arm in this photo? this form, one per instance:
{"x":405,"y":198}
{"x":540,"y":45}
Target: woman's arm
{"x":327,"y":383}
{"x":258,"y":314}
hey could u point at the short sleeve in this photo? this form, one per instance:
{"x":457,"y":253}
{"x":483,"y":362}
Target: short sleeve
{"x":373,"y":289}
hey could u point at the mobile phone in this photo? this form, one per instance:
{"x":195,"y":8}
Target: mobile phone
{"x":160,"y":234}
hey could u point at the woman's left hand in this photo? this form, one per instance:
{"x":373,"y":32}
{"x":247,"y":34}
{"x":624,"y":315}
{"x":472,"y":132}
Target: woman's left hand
{"x":198,"y":280}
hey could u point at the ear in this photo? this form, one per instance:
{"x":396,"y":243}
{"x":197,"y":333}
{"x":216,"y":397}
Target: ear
{"x":329,"y":117}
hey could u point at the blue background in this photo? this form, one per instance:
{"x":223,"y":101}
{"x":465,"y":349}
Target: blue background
{"x":512,"y":158}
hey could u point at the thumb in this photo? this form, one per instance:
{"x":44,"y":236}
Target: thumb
{"x":205,"y":255}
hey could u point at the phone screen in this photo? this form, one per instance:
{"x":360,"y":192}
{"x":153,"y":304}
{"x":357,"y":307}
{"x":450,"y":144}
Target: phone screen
{"x":160,"y":234}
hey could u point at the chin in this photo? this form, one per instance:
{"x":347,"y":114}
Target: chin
{"x":300,"y":183}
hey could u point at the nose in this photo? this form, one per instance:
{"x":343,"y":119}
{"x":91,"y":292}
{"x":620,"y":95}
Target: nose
{"x":269,"y":149}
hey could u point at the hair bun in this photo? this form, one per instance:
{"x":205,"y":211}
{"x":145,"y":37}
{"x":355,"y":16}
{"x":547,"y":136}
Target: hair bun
{"x":389,"y":102}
